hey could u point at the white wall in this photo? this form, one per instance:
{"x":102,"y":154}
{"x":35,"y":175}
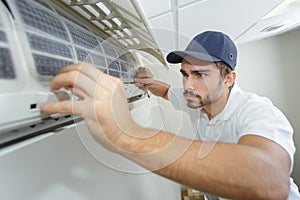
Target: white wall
{"x":69,"y":164}
{"x":271,"y":68}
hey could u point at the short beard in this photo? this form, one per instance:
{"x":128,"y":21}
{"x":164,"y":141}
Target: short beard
{"x":201,"y":101}
{"x":190,"y":103}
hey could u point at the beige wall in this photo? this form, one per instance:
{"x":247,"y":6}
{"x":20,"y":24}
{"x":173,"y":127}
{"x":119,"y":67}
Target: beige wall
{"x":271,"y":67}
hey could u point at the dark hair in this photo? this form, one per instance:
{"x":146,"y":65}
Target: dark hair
{"x":224,"y":71}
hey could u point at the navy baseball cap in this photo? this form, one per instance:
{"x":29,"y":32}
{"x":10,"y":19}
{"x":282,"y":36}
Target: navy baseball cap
{"x":209,"y":46}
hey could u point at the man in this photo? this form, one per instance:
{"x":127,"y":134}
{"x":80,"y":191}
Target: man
{"x":245,"y":148}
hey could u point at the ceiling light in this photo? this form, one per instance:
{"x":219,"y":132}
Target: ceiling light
{"x":281,"y":8}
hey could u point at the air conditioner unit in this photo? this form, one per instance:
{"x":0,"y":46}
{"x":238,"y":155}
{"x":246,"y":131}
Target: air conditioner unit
{"x":39,"y":37}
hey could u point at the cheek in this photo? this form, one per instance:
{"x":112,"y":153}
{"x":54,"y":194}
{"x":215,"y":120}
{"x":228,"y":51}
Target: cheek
{"x":215,"y":86}
{"x":199,"y":86}
{"x":187,"y":84}
{"x":207,"y":86}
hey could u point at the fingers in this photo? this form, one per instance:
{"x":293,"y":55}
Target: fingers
{"x":142,"y":82}
{"x":83,"y":79}
{"x":86,"y":82}
{"x":85,"y":68}
{"x":63,"y":107}
{"x":143,"y":72}
{"x":138,"y":84}
{"x":76,"y":81}
{"x":143,"y":77}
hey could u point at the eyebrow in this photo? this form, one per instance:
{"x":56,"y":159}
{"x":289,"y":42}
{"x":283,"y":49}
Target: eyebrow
{"x":200,"y":71}
{"x":196,"y":71}
{"x":182,"y":71}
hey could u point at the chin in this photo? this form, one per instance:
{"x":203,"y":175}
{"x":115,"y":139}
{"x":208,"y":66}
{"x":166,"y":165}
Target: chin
{"x":193,"y":105}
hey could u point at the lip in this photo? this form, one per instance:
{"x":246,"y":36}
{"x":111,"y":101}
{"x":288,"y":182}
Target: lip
{"x":189,"y":96}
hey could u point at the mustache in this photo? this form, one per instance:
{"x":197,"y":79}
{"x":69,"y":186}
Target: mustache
{"x":190,"y":93}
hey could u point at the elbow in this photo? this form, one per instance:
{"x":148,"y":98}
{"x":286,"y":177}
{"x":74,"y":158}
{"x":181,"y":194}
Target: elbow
{"x":273,"y":185}
{"x":278,"y":191}
{"x":279,"y":185}
{"x":282,"y":192}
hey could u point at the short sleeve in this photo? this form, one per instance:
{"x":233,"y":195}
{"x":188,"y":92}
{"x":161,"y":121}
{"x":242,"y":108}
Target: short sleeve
{"x":263,"y":119}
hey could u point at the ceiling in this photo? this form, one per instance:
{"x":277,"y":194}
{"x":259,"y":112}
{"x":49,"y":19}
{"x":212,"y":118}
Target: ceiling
{"x":175,"y":22}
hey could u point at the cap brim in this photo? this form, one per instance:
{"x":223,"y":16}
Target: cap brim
{"x":175,"y":57}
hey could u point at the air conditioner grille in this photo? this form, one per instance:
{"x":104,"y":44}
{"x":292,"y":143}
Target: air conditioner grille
{"x":272,"y":28}
{"x":119,"y":19}
{"x":7,"y":69}
{"x":56,"y":39}
{"x":46,"y":45}
{"x":82,"y":38}
{"x":6,"y":65}
{"x":47,"y":66}
{"x":42,"y":19}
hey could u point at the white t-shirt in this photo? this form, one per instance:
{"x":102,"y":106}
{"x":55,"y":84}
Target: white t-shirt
{"x":245,"y":113}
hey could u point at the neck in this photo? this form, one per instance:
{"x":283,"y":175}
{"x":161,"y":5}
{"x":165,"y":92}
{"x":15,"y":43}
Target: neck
{"x":217,"y":106}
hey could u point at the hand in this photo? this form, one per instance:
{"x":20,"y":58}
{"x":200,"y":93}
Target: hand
{"x":143,"y":77}
{"x":102,"y":103}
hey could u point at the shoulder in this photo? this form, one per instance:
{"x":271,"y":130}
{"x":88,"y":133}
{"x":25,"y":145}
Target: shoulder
{"x":257,"y":114}
{"x":246,"y":104}
{"x":259,"y":107}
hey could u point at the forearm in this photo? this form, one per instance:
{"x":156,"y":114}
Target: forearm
{"x":158,"y":88}
{"x":229,"y":170}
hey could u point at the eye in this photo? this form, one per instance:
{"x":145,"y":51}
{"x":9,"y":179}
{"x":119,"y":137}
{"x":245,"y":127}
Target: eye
{"x":184,"y":74}
{"x":202,"y":75}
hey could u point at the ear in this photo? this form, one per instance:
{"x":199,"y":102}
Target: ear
{"x":229,"y":79}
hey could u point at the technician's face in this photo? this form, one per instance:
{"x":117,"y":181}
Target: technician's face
{"x":202,"y":82}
